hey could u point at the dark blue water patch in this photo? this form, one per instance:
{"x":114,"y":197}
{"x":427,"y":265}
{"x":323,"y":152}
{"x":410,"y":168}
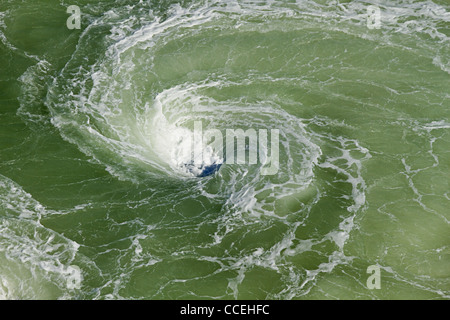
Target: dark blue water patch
{"x":209,"y":170}
{"x":203,"y":170}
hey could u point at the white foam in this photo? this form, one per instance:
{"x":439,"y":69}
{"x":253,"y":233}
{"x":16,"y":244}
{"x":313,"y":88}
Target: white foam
{"x":38,"y":255}
{"x":434,"y":125}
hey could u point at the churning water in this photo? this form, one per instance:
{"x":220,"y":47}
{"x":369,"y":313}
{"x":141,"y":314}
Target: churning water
{"x":99,"y":199}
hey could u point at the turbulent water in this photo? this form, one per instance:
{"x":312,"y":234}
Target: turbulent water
{"x":97,"y":199}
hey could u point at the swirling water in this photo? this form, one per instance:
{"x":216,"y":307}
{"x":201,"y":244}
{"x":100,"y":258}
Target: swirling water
{"x":92,"y":137}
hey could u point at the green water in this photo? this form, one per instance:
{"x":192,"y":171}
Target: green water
{"x":89,"y":151}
